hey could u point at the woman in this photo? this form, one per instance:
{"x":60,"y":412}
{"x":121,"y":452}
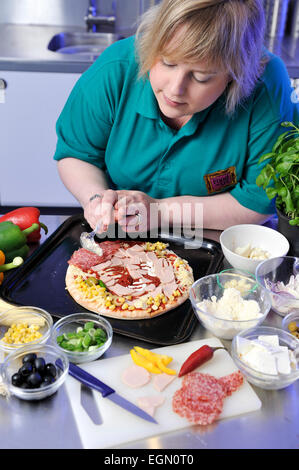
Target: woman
{"x":176,"y":118}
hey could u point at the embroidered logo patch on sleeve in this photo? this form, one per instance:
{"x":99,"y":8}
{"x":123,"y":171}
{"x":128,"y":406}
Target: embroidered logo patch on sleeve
{"x":220,"y":179}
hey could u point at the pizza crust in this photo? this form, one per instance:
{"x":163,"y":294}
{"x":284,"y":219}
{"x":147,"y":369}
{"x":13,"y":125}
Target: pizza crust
{"x":97,"y":303}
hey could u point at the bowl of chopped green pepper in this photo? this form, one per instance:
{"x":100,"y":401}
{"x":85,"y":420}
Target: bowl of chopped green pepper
{"x":83,"y":337}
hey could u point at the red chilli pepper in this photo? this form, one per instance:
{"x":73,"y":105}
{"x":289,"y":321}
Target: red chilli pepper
{"x":199,"y":357}
{"x":24,"y":217}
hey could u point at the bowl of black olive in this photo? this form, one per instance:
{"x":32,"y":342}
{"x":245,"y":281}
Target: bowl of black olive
{"x":34,"y":372}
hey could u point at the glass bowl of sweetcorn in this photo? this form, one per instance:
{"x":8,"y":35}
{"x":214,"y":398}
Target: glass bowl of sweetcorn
{"x":24,"y":326}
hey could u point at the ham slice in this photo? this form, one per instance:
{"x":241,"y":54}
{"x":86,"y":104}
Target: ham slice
{"x":167,"y":275}
{"x":137,"y":248}
{"x":101,"y":266}
{"x":120,"y":290}
{"x":150,"y":403}
{"x":142,"y":289}
{"x":134,"y":273}
{"x":157,"y":291}
{"x":169,"y":288}
{"x":116,"y":261}
{"x":121,"y":253}
{"x":161,"y":381}
{"x":135,"y":376}
{"x":151,"y":257}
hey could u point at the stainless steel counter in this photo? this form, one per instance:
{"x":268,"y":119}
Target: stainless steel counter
{"x":49,"y":424}
{"x":24,"y":47}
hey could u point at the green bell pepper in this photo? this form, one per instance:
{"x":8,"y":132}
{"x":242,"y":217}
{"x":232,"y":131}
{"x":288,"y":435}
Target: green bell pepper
{"x":13,"y":240}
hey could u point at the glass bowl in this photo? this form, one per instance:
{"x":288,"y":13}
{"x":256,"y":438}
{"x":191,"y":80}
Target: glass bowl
{"x":70,"y":323}
{"x":225,"y":323}
{"x":293,"y":318}
{"x":262,"y":380}
{"x":274,"y":274}
{"x":13,"y":362}
{"x":30,"y":315}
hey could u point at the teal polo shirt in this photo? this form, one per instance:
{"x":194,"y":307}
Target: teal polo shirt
{"x":111,"y":119}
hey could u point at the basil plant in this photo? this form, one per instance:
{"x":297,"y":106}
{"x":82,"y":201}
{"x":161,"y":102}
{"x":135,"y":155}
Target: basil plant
{"x":280,"y":176}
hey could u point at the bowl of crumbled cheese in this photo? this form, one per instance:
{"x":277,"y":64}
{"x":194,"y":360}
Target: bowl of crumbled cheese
{"x":229,"y":302}
{"x":24,"y":326}
{"x":246,"y":246}
{"x":280,"y":276}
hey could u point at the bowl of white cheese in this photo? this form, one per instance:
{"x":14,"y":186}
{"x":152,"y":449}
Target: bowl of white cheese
{"x":245,"y":246}
{"x":268,"y":357}
{"x":229,"y":302}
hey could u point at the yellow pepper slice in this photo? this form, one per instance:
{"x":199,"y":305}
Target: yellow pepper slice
{"x":159,"y":361}
{"x":151,"y":356}
{"x":166,"y":359}
{"x":143,"y":362}
{"x":165,"y":369}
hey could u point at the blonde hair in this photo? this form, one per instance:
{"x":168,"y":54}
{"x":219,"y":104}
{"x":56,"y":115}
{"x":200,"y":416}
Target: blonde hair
{"x":228,"y":34}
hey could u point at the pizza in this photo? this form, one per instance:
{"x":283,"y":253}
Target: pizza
{"x":130,"y":280}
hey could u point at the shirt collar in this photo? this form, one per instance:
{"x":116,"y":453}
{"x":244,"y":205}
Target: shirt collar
{"x":147,"y":106}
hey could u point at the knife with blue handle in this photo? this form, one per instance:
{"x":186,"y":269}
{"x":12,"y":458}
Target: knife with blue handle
{"x":106,"y":391}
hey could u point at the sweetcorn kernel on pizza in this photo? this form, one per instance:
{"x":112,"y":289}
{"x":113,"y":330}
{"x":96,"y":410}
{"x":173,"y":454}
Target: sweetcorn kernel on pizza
{"x":129,"y":280}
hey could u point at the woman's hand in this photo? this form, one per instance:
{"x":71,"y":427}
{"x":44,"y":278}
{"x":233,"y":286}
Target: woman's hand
{"x":135,"y":211}
{"x":101,"y":210}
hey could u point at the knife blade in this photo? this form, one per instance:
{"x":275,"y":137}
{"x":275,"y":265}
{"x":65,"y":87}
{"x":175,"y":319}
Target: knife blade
{"x":89,"y":404}
{"x":107,"y":392}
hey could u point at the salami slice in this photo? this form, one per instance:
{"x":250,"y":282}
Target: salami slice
{"x":85,"y":259}
{"x":230,"y":383}
{"x":201,"y":396}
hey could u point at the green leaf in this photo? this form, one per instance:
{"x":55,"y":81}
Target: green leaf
{"x":284,"y":167}
{"x":290,"y":144}
{"x":260,"y":179}
{"x":279,"y":141}
{"x":294,"y":221}
{"x":271,"y":192}
{"x":266,"y":156}
{"x":289,"y":157}
{"x":288,"y":202}
{"x":282,"y":192}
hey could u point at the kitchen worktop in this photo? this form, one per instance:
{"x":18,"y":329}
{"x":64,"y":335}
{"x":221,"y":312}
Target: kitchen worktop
{"x":25,"y":47}
{"x":44,"y":424}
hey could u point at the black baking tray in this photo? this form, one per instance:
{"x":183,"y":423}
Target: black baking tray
{"x":40,"y":282}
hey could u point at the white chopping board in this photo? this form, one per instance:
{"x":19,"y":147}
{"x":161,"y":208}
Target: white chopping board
{"x":120,"y":427}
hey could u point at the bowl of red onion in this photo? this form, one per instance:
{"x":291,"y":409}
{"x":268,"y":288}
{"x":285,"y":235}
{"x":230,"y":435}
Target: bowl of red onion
{"x":280,"y":276}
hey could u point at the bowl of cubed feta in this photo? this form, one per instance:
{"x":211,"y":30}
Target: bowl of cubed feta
{"x":268,"y":357}
{"x":245,"y":246}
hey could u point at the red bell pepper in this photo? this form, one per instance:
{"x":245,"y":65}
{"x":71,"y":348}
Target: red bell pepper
{"x":24,"y":217}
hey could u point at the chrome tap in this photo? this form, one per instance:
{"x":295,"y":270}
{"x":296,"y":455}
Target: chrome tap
{"x":98,"y":23}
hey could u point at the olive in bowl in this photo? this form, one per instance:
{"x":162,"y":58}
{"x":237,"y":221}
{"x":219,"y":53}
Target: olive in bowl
{"x":30,"y":373}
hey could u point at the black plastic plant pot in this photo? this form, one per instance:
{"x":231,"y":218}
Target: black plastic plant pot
{"x":291,"y":232}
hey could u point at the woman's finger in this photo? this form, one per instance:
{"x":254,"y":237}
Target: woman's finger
{"x":107,"y":209}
